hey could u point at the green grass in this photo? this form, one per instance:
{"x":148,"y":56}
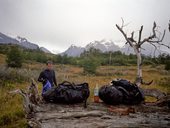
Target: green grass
{"x":11,"y":110}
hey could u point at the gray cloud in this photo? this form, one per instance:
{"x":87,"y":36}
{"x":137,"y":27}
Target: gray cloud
{"x":56,"y":24}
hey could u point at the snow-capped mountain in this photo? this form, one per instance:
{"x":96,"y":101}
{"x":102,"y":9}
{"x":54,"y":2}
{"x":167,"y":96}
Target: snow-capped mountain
{"x":73,"y":51}
{"x":23,"y":42}
{"x":102,"y":45}
{"x":7,"y":40}
{"x":44,"y":50}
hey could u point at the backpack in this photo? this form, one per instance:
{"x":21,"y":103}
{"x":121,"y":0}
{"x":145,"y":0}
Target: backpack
{"x":67,"y":93}
{"x":121,"y":92}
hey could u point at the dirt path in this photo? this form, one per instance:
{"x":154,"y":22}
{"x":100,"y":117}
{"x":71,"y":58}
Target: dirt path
{"x":98,"y":115}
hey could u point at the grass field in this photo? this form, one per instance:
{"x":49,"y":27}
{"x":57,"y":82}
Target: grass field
{"x":11,"y":112}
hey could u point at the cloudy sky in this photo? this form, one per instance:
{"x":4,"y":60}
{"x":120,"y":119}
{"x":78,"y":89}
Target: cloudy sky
{"x":56,"y":24}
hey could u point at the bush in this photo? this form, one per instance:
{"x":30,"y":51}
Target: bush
{"x":14,"y":57}
{"x":12,"y":75}
{"x":90,"y":65}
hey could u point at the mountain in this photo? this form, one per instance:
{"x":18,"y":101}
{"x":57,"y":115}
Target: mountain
{"x":7,"y":40}
{"x":44,"y":50}
{"x":23,"y":42}
{"x":102,"y":45}
{"x":73,"y":51}
{"x":26,"y":44}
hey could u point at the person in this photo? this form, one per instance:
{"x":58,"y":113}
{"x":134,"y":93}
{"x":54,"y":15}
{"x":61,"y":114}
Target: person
{"x":48,"y":75}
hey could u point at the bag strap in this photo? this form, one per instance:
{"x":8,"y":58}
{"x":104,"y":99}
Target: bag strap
{"x":65,"y":83}
{"x":72,"y":85}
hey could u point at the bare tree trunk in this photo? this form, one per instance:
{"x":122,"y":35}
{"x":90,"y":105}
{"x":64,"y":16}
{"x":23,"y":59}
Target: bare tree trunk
{"x":139,"y":68}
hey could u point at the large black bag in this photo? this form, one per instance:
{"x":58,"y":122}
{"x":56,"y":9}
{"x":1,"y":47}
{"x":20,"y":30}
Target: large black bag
{"x":68,"y":93}
{"x":121,"y":92}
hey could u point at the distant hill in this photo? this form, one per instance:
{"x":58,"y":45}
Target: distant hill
{"x":23,"y":42}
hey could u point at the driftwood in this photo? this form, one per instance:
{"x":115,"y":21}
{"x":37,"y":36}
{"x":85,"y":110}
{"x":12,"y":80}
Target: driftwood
{"x":29,"y":107}
{"x":33,"y":93}
{"x":164,"y":101}
{"x":31,"y":101}
{"x":154,"y":93}
{"x":162,"y":98}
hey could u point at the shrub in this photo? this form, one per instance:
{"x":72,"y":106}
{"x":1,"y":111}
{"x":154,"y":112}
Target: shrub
{"x":90,"y":65}
{"x":12,"y":75}
{"x":14,"y":57}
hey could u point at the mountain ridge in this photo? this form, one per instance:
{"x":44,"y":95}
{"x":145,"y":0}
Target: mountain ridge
{"x":23,"y":42}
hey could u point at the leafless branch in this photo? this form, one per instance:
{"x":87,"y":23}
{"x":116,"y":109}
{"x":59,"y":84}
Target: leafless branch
{"x":122,"y":23}
{"x":140,"y":34}
{"x":127,"y":39}
{"x":150,"y":37}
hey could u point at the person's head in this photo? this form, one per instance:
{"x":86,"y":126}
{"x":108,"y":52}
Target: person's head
{"x":49,"y":64}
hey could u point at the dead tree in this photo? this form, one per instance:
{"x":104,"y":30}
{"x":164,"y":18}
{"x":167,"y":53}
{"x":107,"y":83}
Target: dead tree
{"x":136,"y":44}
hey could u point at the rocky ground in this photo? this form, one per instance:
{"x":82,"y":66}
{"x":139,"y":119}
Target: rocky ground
{"x":99,"y":115}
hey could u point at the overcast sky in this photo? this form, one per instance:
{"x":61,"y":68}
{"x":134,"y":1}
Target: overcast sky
{"x":56,"y":24}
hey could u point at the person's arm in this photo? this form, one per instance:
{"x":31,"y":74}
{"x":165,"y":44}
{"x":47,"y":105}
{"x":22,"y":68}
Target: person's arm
{"x":41,"y":77}
{"x":54,"y":78}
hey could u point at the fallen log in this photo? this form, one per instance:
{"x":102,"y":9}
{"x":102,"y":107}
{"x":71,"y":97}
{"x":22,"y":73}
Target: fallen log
{"x":164,"y":101}
{"x":154,"y":93}
{"x":31,"y":100}
{"x":162,"y":98}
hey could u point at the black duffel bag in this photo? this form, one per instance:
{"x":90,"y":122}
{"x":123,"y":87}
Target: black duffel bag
{"x":67,"y":93}
{"x":121,"y":92}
